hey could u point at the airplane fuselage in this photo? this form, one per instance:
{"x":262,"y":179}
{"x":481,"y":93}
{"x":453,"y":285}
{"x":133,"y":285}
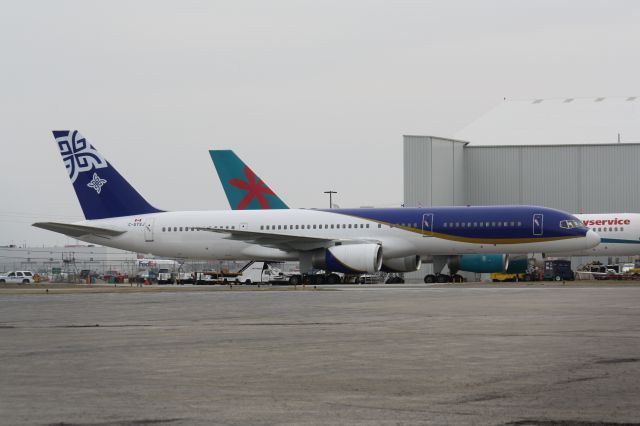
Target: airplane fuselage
{"x":401,"y":232}
{"x":619,"y":233}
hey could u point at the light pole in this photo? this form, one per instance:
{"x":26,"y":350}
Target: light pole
{"x":330,"y":199}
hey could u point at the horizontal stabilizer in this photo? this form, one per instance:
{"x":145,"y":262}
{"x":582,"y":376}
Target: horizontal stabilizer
{"x":78,"y":231}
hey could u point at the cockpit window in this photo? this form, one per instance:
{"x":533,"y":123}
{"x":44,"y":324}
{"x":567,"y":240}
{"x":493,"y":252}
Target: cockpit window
{"x":569,"y":224}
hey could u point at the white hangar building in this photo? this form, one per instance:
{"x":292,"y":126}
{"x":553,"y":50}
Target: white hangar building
{"x":581,"y":155}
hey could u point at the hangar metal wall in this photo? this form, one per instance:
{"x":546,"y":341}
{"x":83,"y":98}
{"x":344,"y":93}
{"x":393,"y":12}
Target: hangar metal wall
{"x":574,"y":178}
{"x":433,"y":171}
{"x":598,"y":178}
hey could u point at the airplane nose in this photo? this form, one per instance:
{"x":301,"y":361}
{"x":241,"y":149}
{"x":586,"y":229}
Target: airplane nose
{"x":593,"y":238}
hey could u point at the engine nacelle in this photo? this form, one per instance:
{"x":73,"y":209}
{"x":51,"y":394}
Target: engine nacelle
{"x":349,"y":258}
{"x":401,"y":264}
{"x":487,"y":263}
{"x":517,"y":264}
{"x":480,"y":263}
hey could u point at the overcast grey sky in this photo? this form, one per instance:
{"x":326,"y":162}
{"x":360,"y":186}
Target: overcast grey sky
{"x":314,"y":95}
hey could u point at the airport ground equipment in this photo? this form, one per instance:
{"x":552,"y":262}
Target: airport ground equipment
{"x":557,"y":270}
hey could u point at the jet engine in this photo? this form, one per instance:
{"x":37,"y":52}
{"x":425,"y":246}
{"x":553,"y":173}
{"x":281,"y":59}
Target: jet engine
{"x":349,"y":258}
{"x":487,"y":263}
{"x":401,"y":264}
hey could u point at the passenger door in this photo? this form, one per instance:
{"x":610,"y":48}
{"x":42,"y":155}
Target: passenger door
{"x":538,"y":224}
{"x":427,"y":225}
{"x":148,"y":230}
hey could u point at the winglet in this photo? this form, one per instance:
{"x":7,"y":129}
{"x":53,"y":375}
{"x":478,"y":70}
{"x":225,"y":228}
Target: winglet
{"x":244,"y":189}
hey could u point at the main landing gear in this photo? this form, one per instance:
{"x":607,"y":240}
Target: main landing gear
{"x":443,"y":278}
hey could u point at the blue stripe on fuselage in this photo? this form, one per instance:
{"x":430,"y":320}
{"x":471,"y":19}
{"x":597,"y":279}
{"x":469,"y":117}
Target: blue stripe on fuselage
{"x":411,"y":219}
{"x":617,"y":241}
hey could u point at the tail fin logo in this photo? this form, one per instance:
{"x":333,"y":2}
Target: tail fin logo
{"x":255,"y":189}
{"x":79,"y":156}
{"x":97,"y":183}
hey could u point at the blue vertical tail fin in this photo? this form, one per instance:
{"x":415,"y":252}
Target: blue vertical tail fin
{"x":101,"y":190}
{"x":244,"y":189}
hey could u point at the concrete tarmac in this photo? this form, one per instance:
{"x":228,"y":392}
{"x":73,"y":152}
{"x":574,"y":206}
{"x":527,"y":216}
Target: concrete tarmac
{"x":374,"y":355}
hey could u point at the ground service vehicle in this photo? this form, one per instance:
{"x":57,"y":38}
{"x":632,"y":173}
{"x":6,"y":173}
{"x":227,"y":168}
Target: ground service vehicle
{"x":557,"y":270}
{"x":262,"y":272}
{"x":17,"y":277}
{"x":499,"y":277}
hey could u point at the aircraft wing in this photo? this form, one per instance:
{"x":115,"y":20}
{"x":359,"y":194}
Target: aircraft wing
{"x":279,"y":241}
{"x":78,"y":231}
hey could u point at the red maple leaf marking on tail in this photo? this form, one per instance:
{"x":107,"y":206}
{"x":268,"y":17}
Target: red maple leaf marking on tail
{"x":255,"y":189}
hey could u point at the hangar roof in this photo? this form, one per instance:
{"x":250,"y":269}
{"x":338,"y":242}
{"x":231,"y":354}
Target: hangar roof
{"x":557,"y":121}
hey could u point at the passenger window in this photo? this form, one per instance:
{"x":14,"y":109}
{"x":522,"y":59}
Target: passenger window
{"x":610,"y":229}
{"x":615,"y":229}
{"x":314,"y":227}
{"x":519,"y":224}
{"x":19,"y":274}
{"x":457,"y":224}
{"x":349,"y":226}
{"x":513,"y":224}
{"x":332,"y":226}
{"x":463,"y":224}
{"x":475,"y":224}
{"x":379,"y":225}
{"x":481,"y":224}
{"x":367,"y":225}
{"x":621,"y":229}
{"x":499,"y":224}
{"x":175,"y":229}
{"x":261,"y":227}
{"x":163,"y":229}
{"x":181,"y":229}
{"x":279,"y":226}
{"x":445,"y":224}
{"x":362,"y":225}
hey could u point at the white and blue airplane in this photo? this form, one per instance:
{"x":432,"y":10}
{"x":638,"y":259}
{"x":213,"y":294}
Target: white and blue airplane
{"x":339,"y":240}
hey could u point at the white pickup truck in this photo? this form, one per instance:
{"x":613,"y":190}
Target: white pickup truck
{"x":20,"y":277}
